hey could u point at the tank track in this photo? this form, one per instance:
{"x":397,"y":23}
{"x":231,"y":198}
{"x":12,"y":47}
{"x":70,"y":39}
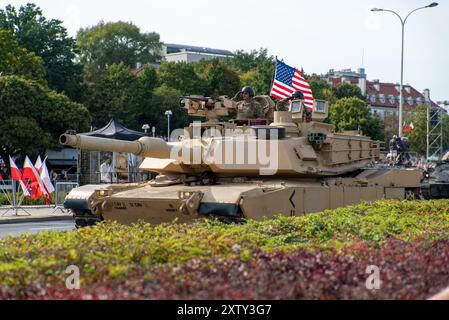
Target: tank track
{"x":85,"y":218}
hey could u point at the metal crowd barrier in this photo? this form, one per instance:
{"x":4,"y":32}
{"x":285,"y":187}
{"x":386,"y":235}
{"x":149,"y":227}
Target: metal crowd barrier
{"x":61,"y":191}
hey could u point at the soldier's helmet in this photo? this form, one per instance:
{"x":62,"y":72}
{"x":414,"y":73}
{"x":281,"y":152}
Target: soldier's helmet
{"x":249,"y":90}
{"x":298,"y":95}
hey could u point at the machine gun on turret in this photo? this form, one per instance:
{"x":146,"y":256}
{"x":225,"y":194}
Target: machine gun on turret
{"x":207,"y":107}
{"x":214,"y":108}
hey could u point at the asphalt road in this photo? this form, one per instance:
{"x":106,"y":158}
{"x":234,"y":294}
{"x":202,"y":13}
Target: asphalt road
{"x":35,"y":227}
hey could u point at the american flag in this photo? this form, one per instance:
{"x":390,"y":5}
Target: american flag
{"x":287,"y":80}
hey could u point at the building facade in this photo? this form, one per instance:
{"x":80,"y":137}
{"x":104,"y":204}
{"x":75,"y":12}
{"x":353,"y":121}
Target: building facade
{"x":186,"y":53}
{"x":383,"y":97}
{"x":191,"y":54}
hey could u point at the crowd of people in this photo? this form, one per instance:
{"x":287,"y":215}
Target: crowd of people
{"x":399,"y":155}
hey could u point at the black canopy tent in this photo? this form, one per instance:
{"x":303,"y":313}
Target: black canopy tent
{"x":115,"y":130}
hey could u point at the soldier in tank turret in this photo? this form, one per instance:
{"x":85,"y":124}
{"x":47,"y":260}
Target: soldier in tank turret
{"x":296,"y":95}
{"x":248,"y":108}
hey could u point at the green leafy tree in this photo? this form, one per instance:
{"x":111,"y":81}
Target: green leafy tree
{"x":182,"y":77}
{"x":33,"y":117}
{"x":346,"y":90}
{"x":219,"y":78}
{"x":145,"y":109}
{"x":417,"y":137}
{"x":15,"y":60}
{"x":167,"y":98}
{"x":260,"y":79}
{"x":120,"y":94}
{"x":48,"y":39}
{"x":255,"y":68}
{"x":246,"y":61}
{"x":353,"y":114}
{"x":111,"y":43}
{"x":321,"y":89}
{"x":114,"y":96}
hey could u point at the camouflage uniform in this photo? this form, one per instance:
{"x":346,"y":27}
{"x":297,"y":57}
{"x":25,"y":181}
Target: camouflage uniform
{"x":282,"y":105}
{"x":251,"y":110}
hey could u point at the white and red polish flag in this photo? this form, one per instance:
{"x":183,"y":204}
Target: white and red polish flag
{"x":38,"y":164}
{"x":17,"y":175}
{"x":45,"y":176}
{"x":29,"y":172}
{"x":41,"y":168}
{"x":288,"y":80}
{"x":15,"y":171}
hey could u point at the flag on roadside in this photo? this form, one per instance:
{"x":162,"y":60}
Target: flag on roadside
{"x":287,"y":80}
{"x":17,"y":175}
{"x":29,"y":172}
{"x":46,"y":179}
{"x":15,"y":171}
{"x":38,"y":164}
{"x":410,"y":127}
{"x":42,"y":170}
{"x":1,"y":177}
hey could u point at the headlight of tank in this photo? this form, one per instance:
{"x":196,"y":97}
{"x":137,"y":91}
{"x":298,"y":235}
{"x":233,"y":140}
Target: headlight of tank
{"x":184,"y":194}
{"x":102,"y":193}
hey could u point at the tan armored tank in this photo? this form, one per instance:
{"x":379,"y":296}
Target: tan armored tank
{"x":242,"y":169}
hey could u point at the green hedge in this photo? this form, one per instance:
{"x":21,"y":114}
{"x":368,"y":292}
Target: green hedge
{"x":26,"y":202}
{"x":110,"y":250}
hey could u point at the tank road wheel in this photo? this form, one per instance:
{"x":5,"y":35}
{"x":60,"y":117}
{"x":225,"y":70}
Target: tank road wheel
{"x":410,"y":194}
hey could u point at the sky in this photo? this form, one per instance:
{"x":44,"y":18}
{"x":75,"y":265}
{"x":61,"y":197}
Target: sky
{"x":314,"y":35}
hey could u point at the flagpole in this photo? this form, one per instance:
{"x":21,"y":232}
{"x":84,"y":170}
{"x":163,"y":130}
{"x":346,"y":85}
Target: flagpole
{"x":274,"y":75}
{"x":19,"y":206}
{"x":14,"y":202}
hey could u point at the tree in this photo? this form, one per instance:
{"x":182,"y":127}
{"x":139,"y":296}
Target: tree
{"x":166,"y":98}
{"x":116,"y":42}
{"x":120,"y":94}
{"x":353,"y":114}
{"x":33,"y":117}
{"x":219,"y":78}
{"x":182,"y":77}
{"x":321,"y":89}
{"x":114,"y":95}
{"x":46,"y":38}
{"x":246,"y":61}
{"x":255,"y":68}
{"x":15,"y":60}
{"x":346,"y":90}
{"x":146,"y":83}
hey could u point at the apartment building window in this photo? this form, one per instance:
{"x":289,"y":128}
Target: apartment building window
{"x":391,"y":99}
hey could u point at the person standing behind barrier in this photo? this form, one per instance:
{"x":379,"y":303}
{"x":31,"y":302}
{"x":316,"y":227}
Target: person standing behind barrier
{"x":54,"y":176}
{"x":64,"y":175}
{"x":106,"y":171}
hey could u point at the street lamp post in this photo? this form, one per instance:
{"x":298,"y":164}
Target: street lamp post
{"x":145,"y":127}
{"x":168,"y":113}
{"x":401,"y":97}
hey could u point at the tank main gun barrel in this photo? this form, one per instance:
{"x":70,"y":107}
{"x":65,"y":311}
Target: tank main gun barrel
{"x":144,"y":147}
